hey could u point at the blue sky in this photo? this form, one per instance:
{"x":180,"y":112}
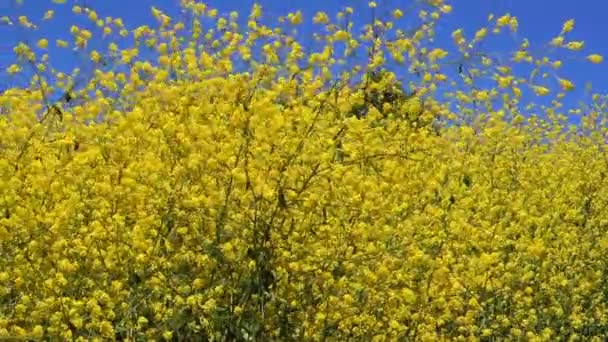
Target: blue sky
{"x":539,"y":20}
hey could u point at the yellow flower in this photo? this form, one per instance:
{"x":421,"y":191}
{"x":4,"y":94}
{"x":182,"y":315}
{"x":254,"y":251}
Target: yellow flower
{"x":482,"y":95}
{"x":86,"y":34}
{"x":565,"y":84}
{"x":43,"y":44}
{"x":372,"y":4}
{"x":341,"y":35}
{"x":557,"y":64}
{"x":516,"y":91}
{"x":408,"y":295}
{"x":540,"y":90}
{"x":61,"y":43}
{"x":168,"y":335}
{"x":481,"y":34}
{"x":295,"y":18}
{"x":38,"y":331}
{"x":595,"y":58}
{"x":95,"y":56}
{"x":397,"y":14}
{"x":504,"y":20}
{"x":142,"y":321}
{"x":106,"y":328}
{"x":320,"y":18}
{"x":575,"y":46}
{"x":504,"y":81}
{"x":441,"y":77}
{"x":77,"y":321}
{"x":513,"y":24}
{"x":568,"y":26}
{"x":437,"y":53}
{"x":23,"y":21}
{"x":48,"y":15}
{"x":256,"y":11}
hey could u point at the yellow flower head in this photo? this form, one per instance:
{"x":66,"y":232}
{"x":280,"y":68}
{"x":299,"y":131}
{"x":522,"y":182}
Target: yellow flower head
{"x":48,"y":15}
{"x":23,"y":21}
{"x":43,"y":44}
{"x":256,"y":11}
{"x":341,"y":35}
{"x":575,"y":46}
{"x":568,"y":26}
{"x":540,"y":90}
{"x":565,"y":84}
{"x":61,"y":43}
{"x":481,"y":34}
{"x":513,"y":24}
{"x":504,"y":20}
{"x":295,"y":18}
{"x":595,"y":58}
{"x":320,"y":18}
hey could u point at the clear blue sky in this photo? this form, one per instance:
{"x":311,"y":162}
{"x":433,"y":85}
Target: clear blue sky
{"x":539,"y":20}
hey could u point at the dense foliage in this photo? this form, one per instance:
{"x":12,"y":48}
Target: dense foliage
{"x":212,"y":182}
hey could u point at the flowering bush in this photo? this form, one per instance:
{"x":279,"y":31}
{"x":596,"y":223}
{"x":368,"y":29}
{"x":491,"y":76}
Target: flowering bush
{"x":211,"y":183}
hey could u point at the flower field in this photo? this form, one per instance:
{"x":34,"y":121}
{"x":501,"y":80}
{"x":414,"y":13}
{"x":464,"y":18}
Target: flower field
{"x":219,"y":181}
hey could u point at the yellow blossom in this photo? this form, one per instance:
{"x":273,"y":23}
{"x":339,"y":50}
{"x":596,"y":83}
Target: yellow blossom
{"x":568,"y":26}
{"x":540,"y":90}
{"x":295,"y":18}
{"x":504,"y":20}
{"x":595,"y":58}
{"x":321,"y":18}
{"x":61,"y":43}
{"x":48,"y":15}
{"x":575,"y":46}
{"x":566,"y":84}
{"x":43,"y":44}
